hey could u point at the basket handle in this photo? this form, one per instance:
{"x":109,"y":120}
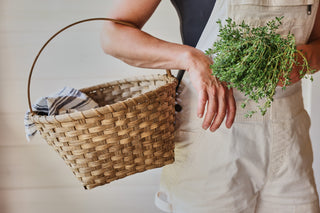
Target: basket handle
{"x":63,"y":29}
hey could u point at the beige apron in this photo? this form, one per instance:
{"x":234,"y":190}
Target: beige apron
{"x":269,"y":156}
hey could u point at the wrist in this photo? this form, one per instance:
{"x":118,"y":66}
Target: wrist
{"x":194,"y":59}
{"x":186,"y":57}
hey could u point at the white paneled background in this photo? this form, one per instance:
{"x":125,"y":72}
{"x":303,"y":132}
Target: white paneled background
{"x":314,"y":105}
{"x":33,"y":179}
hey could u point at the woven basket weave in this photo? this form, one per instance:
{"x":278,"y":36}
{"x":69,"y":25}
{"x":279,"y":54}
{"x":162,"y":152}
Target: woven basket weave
{"x":132,"y":131}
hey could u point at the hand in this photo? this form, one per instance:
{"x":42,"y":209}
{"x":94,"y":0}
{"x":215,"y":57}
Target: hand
{"x":212,"y":94}
{"x":295,"y":75}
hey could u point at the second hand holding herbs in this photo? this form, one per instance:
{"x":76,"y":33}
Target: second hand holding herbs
{"x":253,"y":59}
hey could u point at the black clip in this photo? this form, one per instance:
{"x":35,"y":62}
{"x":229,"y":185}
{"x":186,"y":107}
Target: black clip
{"x":309,"y":9}
{"x":178,"y":107}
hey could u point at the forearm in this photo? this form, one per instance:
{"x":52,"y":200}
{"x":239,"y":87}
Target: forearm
{"x":140,"y":49}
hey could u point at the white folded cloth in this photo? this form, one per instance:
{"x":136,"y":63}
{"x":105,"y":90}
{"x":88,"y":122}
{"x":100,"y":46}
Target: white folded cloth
{"x":66,"y":100}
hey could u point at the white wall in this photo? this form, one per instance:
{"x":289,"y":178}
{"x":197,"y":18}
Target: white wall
{"x":33,"y":179}
{"x":315,"y":126}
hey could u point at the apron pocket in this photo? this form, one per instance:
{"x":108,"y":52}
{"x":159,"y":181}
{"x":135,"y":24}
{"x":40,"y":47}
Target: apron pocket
{"x":276,"y":2}
{"x":298,"y":15}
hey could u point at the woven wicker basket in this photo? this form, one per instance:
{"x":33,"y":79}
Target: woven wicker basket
{"x":132,"y":131}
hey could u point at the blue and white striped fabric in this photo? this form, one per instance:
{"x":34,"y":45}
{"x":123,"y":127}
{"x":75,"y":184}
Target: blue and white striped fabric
{"x":65,"y":101}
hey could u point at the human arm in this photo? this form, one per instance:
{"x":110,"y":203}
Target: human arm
{"x":311,"y":51}
{"x":140,"y":49}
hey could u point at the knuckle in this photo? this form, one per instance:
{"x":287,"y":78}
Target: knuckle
{"x":212,"y":111}
{"x":210,"y":115}
{"x":203,"y":99}
{"x":222,"y":91}
{"x":202,"y":87}
{"x":212,"y":92}
{"x":221,"y":115}
{"x":202,"y":102}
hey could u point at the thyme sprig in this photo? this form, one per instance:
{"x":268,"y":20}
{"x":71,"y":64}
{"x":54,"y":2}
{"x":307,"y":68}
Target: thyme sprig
{"x":253,"y":59}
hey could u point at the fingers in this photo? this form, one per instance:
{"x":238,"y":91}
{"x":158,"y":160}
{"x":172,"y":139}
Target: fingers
{"x":211,"y":109}
{"x":231,"y":108}
{"x":202,"y":100}
{"x":221,"y":109}
{"x":220,"y":104}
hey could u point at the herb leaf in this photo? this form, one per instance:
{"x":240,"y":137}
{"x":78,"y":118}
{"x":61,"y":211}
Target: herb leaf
{"x":253,"y":59}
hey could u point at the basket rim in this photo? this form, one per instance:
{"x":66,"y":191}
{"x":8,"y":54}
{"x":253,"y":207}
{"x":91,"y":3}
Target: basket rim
{"x":100,"y":111}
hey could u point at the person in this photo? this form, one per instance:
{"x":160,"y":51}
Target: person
{"x":261,"y":164}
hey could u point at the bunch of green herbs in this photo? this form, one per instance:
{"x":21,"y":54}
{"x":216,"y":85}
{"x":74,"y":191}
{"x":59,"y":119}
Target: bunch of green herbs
{"x":253,"y":59}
